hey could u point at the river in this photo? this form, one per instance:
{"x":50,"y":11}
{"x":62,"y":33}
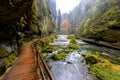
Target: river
{"x":74,"y":66}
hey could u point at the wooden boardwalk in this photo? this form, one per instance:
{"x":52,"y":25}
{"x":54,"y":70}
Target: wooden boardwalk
{"x":25,"y":67}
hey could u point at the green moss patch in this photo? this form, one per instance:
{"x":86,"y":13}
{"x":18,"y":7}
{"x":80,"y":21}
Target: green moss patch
{"x":91,"y":58}
{"x":44,"y":44}
{"x":8,"y":62}
{"x":73,"y":46}
{"x":48,"y":49}
{"x":59,"y":56}
{"x":44,"y":55}
{"x":101,"y":67}
{"x":111,"y":59}
{"x":106,"y":71}
{"x":71,"y":36}
{"x":73,"y":40}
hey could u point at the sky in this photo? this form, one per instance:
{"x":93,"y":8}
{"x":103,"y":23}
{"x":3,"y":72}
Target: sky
{"x":66,"y":5}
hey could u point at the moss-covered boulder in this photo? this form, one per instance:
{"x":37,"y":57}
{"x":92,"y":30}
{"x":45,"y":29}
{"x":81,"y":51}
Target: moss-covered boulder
{"x":59,"y":56}
{"x":73,"y":46}
{"x":73,"y":41}
{"x":91,"y":58}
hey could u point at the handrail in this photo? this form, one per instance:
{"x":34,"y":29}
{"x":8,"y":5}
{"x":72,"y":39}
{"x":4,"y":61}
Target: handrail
{"x":47,"y":69}
{"x":38,"y":65}
{"x":43,"y":63}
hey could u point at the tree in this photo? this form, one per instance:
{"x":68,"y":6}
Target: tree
{"x":58,"y":20}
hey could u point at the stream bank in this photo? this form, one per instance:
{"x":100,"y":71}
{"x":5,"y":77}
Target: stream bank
{"x":102,"y":43}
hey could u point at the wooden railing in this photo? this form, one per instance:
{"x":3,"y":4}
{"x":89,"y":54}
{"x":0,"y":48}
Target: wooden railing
{"x":42,"y":66}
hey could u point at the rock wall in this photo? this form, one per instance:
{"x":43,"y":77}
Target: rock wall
{"x":19,"y":19}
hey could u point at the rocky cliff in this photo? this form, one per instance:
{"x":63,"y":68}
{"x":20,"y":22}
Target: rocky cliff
{"x":52,"y":5}
{"x":19,"y":19}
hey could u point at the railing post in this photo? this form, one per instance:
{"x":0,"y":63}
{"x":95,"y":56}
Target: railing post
{"x":44,"y":64}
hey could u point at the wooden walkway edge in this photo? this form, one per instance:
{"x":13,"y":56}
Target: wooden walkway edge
{"x":25,"y":67}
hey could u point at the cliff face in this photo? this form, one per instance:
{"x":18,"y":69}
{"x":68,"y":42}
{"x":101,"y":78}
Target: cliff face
{"x":79,"y":12}
{"x":19,"y":19}
{"x":98,"y":19}
{"x":52,"y":5}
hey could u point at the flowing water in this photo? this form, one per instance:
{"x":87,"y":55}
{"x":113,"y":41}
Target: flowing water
{"x":74,"y":67}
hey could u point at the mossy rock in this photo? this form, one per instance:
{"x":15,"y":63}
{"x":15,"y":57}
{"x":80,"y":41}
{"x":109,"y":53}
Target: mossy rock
{"x":91,"y":58}
{"x":73,"y":46}
{"x":71,"y":36}
{"x":69,"y":50}
{"x":59,"y":56}
{"x":3,"y":53}
{"x":73,"y":40}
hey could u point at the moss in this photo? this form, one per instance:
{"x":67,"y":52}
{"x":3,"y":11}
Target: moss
{"x":111,"y":59}
{"x":111,"y":36}
{"x":46,"y":40}
{"x":73,"y":46}
{"x":71,"y":36}
{"x":8,"y":62}
{"x":44,"y":44}
{"x":49,"y":49}
{"x":44,"y":55}
{"x":45,"y":49}
{"x":3,"y":53}
{"x":91,"y":58}
{"x":102,"y":68}
{"x":106,"y":71}
{"x":69,"y":50}
{"x":59,"y":56}
{"x":73,"y":40}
